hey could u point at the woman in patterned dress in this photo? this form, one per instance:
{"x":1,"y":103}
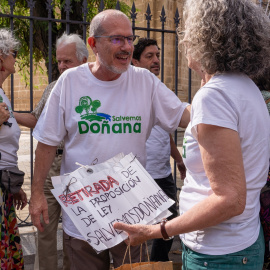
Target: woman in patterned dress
{"x":11,"y":257}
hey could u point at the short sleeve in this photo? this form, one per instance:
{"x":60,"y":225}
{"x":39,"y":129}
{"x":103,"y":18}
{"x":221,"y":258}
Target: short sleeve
{"x":50,"y":128}
{"x":213,"y":107}
{"x":167,"y":107}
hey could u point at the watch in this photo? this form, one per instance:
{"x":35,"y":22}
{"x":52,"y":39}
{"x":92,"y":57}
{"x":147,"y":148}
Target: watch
{"x":163,"y":230}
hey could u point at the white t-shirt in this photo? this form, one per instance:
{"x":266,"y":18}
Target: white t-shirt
{"x":9,"y":138}
{"x":231,"y":101}
{"x":99,"y":119}
{"x":158,"y":151}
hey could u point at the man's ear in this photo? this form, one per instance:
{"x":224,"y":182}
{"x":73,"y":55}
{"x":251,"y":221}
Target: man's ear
{"x":135,"y":62}
{"x":84,"y":60}
{"x":92,"y":42}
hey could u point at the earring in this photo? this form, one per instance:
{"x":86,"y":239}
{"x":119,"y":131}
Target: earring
{"x":2,"y":69}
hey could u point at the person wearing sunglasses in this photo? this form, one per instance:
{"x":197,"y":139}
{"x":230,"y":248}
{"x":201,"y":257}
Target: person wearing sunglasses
{"x":101,"y":109}
{"x":10,"y":247}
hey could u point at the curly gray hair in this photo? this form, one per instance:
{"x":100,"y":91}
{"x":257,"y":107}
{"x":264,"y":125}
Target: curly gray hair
{"x":7,"y":41}
{"x":227,"y":35}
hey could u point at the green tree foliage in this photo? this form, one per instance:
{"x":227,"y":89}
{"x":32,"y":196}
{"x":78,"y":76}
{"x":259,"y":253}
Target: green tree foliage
{"x":41,"y":28}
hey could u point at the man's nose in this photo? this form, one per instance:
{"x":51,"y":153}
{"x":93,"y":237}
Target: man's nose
{"x":61,"y":66}
{"x":126,"y":44}
{"x":156,"y":59}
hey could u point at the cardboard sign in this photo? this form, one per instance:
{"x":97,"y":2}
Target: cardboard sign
{"x":95,"y":197}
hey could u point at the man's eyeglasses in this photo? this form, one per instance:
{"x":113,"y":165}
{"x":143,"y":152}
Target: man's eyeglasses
{"x":120,"y":40}
{"x":14,"y":54}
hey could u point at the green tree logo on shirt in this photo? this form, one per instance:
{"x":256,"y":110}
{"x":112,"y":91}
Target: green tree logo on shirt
{"x":87,"y":108}
{"x":9,"y":108}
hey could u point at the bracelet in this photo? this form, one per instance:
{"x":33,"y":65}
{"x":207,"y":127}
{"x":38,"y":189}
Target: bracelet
{"x":163,"y":230}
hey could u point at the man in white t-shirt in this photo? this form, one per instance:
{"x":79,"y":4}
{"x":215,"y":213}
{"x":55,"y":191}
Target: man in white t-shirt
{"x":101,"y":109}
{"x":159,"y":146}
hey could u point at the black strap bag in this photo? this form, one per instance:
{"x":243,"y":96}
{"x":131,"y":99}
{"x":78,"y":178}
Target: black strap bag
{"x":11,"y":179}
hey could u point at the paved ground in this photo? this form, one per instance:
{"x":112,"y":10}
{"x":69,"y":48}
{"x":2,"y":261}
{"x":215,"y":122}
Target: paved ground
{"x":24,"y":164}
{"x":28,"y":233}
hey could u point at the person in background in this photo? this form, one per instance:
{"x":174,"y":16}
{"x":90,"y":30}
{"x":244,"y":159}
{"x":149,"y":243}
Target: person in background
{"x":159,"y":146}
{"x":71,"y":51}
{"x":263,"y":83}
{"x":226,"y":145}
{"x":11,"y":255}
{"x":110,"y":86}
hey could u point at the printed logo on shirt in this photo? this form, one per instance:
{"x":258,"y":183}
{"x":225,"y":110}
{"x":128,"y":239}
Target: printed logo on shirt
{"x":9,"y":108}
{"x":102,"y":122}
{"x":184,"y":148}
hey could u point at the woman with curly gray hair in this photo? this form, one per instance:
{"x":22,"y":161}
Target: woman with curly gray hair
{"x":225,"y":146}
{"x":11,"y":256}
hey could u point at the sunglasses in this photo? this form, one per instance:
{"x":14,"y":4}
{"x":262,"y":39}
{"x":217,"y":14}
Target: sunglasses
{"x":14,"y":54}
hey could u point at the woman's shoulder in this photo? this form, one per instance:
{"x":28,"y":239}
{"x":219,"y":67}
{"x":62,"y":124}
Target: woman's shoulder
{"x":231,"y":85}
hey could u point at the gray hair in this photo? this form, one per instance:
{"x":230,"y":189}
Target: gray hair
{"x":81,"y":49}
{"x":227,"y":35}
{"x":96,"y":28}
{"x":7,"y":41}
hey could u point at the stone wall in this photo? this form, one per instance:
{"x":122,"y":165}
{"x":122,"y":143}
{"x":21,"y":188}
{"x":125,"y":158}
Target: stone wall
{"x":22,"y":91}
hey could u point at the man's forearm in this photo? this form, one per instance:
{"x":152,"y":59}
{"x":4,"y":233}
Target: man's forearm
{"x":38,"y":204}
{"x":174,"y":151}
{"x":185,"y":117}
{"x":25,"y":119}
{"x":44,"y":157}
